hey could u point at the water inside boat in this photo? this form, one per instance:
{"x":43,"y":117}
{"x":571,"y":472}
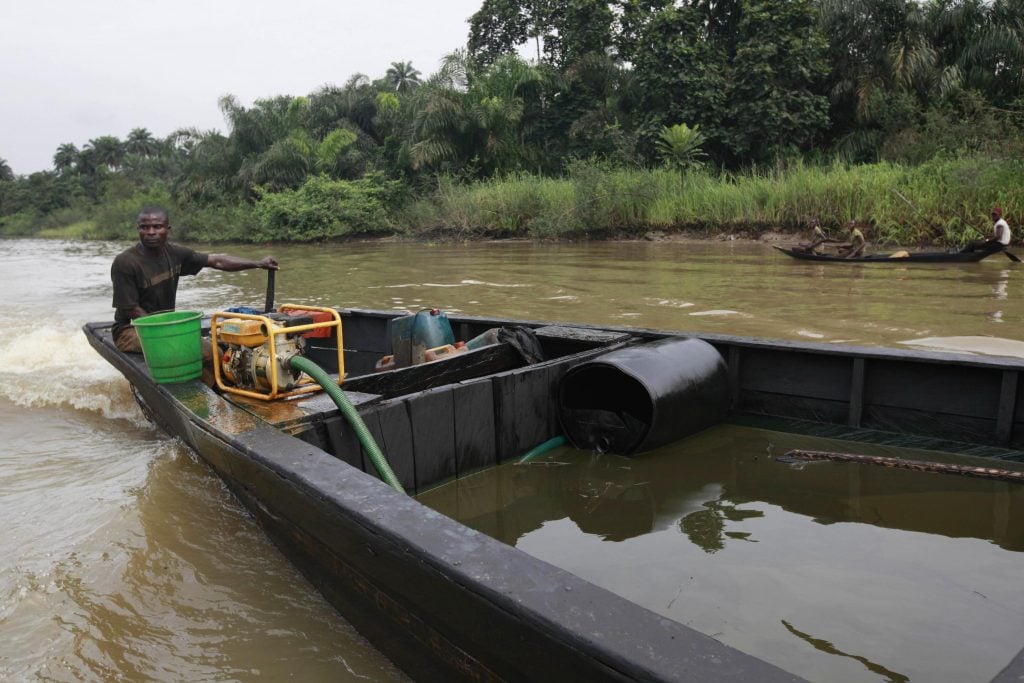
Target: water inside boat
{"x":833,"y":571}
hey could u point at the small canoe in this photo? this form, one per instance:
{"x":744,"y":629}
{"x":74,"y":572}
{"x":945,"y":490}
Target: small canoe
{"x":897,"y":257}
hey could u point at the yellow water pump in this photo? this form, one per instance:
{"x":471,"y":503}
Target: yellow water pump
{"x":252,"y":353}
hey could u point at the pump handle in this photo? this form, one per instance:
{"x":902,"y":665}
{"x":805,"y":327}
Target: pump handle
{"x":270,"y":291}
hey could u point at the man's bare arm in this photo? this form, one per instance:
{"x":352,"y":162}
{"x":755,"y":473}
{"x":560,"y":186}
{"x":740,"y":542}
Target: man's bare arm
{"x":232,"y":263}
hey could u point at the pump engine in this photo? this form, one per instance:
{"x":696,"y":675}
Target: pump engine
{"x":246,"y":359}
{"x":253,"y":352}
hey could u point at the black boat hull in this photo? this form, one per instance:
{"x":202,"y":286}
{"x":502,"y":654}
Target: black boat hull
{"x":897,"y":257}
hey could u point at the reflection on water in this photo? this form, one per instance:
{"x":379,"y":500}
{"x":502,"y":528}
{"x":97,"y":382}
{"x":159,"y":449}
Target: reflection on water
{"x":706,"y":528}
{"x":829,"y":648}
{"x":772,"y":557}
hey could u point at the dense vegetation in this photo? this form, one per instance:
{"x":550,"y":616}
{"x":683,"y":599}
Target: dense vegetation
{"x":629,"y":116}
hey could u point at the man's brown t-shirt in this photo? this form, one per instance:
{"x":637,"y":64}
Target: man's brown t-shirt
{"x":150,"y":283}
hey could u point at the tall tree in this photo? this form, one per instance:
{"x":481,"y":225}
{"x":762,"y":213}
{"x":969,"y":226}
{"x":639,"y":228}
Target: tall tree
{"x":210,"y":171}
{"x":107,"y":150}
{"x":141,"y":143}
{"x":586,"y":111}
{"x":500,"y":27}
{"x":681,"y":77}
{"x":875,"y":47}
{"x":65,"y":157}
{"x":402,"y":77}
{"x":579,"y":28}
{"x":561,"y":32}
{"x":466,"y":114}
{"x":981,"y":44}
{"x":776,"y":76}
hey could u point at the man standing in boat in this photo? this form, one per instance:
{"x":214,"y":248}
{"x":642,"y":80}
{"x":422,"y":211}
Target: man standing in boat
{"x":1000,"y":238}
{"x":145,"y":276}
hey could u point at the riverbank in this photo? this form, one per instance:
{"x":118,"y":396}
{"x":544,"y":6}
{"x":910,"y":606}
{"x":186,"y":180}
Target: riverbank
{"x":942,"y":202}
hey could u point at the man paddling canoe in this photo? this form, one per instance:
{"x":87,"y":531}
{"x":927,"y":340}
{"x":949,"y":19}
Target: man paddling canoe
{"x":855,"y":247}
{"x":818,"y":238}
{"x":1000,"y":238}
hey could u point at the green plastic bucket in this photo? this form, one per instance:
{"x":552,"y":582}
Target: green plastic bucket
{"x":172,"y":345}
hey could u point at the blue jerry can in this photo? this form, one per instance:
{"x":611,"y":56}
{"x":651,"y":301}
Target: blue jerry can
{"x":413,"y":334}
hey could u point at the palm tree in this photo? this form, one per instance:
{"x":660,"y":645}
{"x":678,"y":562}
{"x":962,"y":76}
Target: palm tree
{"x":65,"y":157}
{"x":285,"y":164}
{"x":679,"y":146}
{"x":6,"y":173}
{"x":983,"y":45}
{"x":402,"y":76}
{"x":466,"y":112}
{"x":878,"y":45}
{"x":141,"y":142}
{"x":210,"y":165}
{"x":107,"y":150}
{"x":353,"y":105}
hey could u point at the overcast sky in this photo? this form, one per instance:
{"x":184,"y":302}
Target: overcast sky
{"x":73,"y":70}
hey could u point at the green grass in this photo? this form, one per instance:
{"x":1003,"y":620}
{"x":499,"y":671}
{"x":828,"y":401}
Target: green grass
{"x":74,"y":231}
{"x":942,"y":201}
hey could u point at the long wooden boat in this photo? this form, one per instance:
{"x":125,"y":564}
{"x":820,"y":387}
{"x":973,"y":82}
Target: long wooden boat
{"x":447,"y":603}
{"x":896,"y":257}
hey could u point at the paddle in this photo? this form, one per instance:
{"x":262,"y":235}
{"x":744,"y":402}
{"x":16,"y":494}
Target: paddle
{"x":270,"y":291}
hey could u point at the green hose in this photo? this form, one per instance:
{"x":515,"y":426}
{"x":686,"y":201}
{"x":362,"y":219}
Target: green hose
{"x":352,"y":415}
{"x":540,"y":449}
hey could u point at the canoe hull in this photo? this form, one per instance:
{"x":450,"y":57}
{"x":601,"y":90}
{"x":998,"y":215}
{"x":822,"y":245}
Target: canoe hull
{"x":911,"y":257}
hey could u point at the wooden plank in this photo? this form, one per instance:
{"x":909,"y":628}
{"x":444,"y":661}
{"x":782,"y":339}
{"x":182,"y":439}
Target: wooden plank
{"x":344,"y":444}
{"x":798,"y":375}
{"x":590,"y":336}
{"x":293,"y":414}
{"x":432,"y":420}
{"x":366,"y":333}
{"x":964,"y":429}
{"x":475,"y":437}
{"x":856,"y":393}
{"x":1007,"y":408}
{"x":477,"y":363}
{"x":733,"y":362}
{"x":525,"y":410}
{"x":780,"y":405}
{"x":389,"y":425}
{"x":943,"y":389}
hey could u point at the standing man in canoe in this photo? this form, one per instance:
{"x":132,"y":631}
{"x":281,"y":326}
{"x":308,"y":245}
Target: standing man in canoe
{"x":855,"y":247}
{"x":145,"y":276}
{"x":1000,"y":238}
